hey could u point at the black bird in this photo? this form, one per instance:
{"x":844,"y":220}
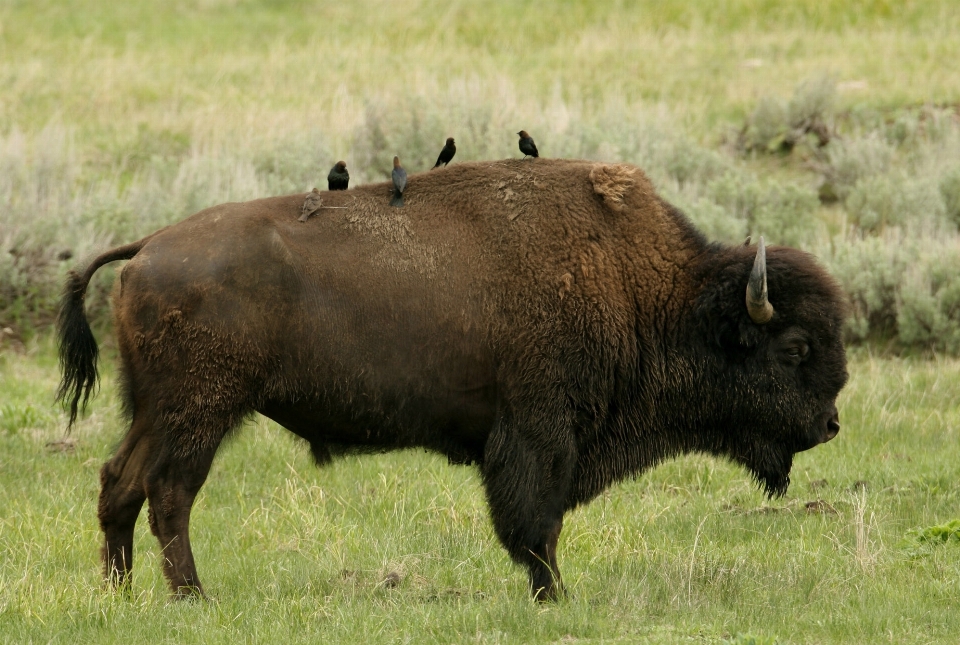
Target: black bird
{"x":447,"y":153}
{"x":338,"y":177}
{"x":527,"y":146}
{"x":399,"y":183}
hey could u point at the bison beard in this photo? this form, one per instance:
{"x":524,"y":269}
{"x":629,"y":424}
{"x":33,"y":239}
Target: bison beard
{"x":556,"y":324}
{"x":772,"y":472}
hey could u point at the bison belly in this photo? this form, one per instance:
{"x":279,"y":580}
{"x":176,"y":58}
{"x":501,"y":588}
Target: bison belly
{"x":453,"y":423}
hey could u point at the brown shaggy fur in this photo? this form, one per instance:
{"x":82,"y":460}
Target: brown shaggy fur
{"x":613,"y":181}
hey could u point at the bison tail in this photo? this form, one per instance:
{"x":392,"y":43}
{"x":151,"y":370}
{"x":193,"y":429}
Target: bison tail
{"x":78,"y":347}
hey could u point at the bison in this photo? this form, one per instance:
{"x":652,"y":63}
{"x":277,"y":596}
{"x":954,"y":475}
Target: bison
{"x":556,"y":324}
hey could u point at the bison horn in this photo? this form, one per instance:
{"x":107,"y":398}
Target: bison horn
{"x":758,"y":306}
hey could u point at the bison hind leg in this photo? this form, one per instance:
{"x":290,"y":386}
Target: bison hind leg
{"x":183,"y":461}
{"x":122,"y":494}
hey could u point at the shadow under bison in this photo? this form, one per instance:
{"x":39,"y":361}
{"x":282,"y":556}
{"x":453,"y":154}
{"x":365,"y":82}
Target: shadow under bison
{"x":553,"y":322}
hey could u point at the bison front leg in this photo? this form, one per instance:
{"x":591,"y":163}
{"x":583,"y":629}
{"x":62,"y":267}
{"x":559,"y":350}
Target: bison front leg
{"x":527,"y":483}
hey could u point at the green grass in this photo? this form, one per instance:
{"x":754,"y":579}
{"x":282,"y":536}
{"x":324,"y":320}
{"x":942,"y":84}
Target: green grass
{"x":219,"y":68}
{"x":690,"y":551}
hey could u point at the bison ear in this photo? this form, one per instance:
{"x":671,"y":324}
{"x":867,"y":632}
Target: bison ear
{"x":720,"y":309}
{"x":725,"y":324}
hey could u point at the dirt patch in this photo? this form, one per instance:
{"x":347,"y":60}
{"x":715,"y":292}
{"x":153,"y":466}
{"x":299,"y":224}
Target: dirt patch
{"x":819,"y":507}
{"x":818,"y":484}
{"x":391,"y":580}
{"x":65,"y":445}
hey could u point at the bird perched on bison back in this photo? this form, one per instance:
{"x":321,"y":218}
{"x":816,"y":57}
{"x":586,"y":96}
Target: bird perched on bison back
{"x":339,"y":178}
{"x":527,"y":146}
{"x":399,"y":183}
{"x":447,"y":153}
{"x":311,"y":204}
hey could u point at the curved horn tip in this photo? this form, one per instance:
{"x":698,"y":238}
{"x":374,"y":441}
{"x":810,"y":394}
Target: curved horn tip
{"x":758,"y":304}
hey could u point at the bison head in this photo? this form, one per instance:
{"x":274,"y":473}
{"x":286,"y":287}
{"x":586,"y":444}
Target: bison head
{"x":773,"y":356}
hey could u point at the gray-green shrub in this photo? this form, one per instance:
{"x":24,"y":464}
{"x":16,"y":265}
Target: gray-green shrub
{"x":891,"y":239}
{"x":902,"y":288}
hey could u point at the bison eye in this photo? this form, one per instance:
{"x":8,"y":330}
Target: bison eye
{"x":797,"y":351}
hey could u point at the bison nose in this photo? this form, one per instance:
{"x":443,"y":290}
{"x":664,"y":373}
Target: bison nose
{"x":833,"y":426}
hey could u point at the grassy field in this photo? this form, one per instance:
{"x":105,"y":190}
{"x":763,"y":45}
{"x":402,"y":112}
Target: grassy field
{"x":225,"y":67}
{"x":690,"y":552}
{"x":118,"y":118}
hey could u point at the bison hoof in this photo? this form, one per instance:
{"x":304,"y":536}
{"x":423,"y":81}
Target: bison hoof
{"x":189,"y":592}
{"x":553,"y":593}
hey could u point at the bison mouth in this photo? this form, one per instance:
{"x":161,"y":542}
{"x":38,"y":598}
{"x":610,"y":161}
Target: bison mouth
{"x":831,"y":427}
{"x":771,"y":465}
{"x":824,"y":430}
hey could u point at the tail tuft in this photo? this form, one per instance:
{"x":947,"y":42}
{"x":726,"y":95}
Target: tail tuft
{"x":78,"y":348}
